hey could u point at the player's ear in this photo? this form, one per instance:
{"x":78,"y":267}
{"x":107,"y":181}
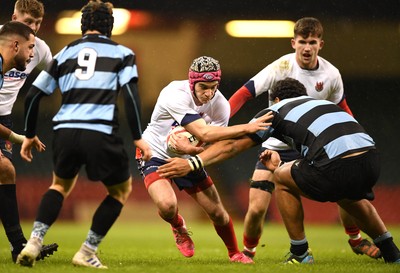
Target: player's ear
{"x":16,"y":46}
{"x":321,"y":44}
{"x":293,"y":43}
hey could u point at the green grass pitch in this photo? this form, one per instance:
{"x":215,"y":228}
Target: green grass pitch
{"x":148,"y":247}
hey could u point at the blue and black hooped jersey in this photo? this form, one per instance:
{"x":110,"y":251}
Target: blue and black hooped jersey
{"x":318,"y":129}
{"x":89,"y":73}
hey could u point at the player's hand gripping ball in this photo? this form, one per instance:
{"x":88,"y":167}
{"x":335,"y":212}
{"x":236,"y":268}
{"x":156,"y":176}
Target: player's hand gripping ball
{"x":179,"y":130}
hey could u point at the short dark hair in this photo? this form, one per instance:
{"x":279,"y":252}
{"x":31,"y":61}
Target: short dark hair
{"x":16,"y":28}
{"x":97,"y":15}
{"x":287,"y":88}
{"x":308,"y":26}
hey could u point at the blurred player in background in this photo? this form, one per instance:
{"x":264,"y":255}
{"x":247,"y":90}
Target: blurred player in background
{"x":30,"y":13}
{"x":339,"y":163}
{"x":198,"y":106}
{"x":90,"y":72}
{"x":323,"y":81}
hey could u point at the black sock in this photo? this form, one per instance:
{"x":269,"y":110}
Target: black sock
{"x":105,"y":215}
{"x":50,"y":207}
{"x":16,"y":238}
{"x":10,"y":217}
{"x":299,"y":250}
{"x":389,"y":250}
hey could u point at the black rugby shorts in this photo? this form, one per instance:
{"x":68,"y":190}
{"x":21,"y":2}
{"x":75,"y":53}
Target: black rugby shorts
{"x":103,"y":155}
{"x":345,"y":178}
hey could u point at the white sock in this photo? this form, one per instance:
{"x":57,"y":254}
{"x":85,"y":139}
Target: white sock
{"x":355,"y":237}
{"x":250,"y":249}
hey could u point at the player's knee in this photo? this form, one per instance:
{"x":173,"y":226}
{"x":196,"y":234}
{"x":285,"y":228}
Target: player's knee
{"x":219,"y":216}
{"x":167,"y":208}
{"x":257,"y":210}
{"x":121,"y":191}
{"x":7,"y":172}
{"x":123,"y":197}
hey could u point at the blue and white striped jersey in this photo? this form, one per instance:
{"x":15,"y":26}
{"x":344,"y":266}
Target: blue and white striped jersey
{"x":320,"y":130}
{"x":89,"y":73}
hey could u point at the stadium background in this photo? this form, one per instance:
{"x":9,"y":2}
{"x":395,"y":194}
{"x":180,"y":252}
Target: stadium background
{"x":361,"y":39}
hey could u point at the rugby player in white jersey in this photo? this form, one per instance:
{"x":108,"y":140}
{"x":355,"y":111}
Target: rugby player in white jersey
{"x":30,"y":13}
{"x":198,"y":106}
{"x":322,"y":81}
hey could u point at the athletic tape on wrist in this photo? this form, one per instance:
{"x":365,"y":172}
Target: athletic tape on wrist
{"x":16,"y":138}
{"x":200,"y":161}
{"x":195,"y":163}
{"x":191,"y":163}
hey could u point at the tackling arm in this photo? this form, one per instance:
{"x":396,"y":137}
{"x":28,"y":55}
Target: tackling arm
{"x":226,"y":149}
{"x":209,"y":134}
{"x":217,"y":152}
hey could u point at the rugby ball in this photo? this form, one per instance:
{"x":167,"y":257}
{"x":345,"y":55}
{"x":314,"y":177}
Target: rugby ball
{"x":182,"y":131}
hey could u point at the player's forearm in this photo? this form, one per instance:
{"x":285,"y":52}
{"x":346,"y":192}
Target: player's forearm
{"x":32,"y":110}
{"x":211,"y":134}
{"x":178,"y":167}
{"x":217,"y":152}
{"x":133,"y":109}
{"x":16,"y":138}
{"x":4,"y":132}
{"x":224,"y":149}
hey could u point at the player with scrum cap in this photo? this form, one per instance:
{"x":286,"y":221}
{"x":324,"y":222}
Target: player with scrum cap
{"x":198,"y":106}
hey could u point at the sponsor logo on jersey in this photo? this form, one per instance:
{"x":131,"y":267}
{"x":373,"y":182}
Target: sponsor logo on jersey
{"x":319,"y":86}
{"x":284,"y":65}
{"x":16,"y":74}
